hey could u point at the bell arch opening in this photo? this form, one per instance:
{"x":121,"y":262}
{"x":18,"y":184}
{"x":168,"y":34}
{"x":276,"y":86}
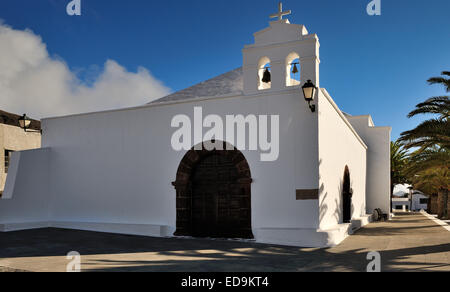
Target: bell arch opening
{"x":293,"y":69}
{"x":213,"y":194}
{"x":264,"y":74}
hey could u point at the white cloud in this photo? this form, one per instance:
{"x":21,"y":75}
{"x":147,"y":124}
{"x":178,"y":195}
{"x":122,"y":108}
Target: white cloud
{"x":35,"y":83}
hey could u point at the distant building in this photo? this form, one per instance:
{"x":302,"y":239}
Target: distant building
{"x":419,"y":201}
{"x":402,"y":200}
{"x":401,"y":204}
{"x":13,"y":138}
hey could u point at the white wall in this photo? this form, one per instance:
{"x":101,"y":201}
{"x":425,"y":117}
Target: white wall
{"x":26,"y":197}
{"x":416,"y":205}
{"x":279,"y":32}
{"x":378,"y":162}
{"x":117,"y":167}
{"x":404,"y":203}
{"x":339,"y":146}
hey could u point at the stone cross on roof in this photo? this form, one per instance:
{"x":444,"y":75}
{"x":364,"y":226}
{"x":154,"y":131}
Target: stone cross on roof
{"x":280,"y":13}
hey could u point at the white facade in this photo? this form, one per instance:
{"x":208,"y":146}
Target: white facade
{"x":113,"y":171}
{"x":378,"y":162}
{"x":419,"y":202}
{"x":402,"y":199}
{"x":401,"y":204}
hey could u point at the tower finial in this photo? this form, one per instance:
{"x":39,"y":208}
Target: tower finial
{"x":280,"y":13}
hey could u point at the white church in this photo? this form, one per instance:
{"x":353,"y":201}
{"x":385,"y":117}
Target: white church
{"x":309,"y":175}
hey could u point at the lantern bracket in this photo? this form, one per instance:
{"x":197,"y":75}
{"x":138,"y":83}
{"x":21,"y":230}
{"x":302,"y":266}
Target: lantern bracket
{"x":312,"y":107}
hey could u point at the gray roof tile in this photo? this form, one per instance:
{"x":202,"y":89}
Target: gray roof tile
{"x":230,"y":83}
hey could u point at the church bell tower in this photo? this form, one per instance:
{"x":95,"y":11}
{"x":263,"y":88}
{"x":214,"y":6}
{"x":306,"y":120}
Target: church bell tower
{"x":283,"y":55}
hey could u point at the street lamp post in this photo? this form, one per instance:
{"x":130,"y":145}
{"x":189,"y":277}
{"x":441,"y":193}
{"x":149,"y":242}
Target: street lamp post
{"x":25,"y":123}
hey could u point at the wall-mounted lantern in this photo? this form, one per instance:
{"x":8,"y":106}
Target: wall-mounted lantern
{"x":309,"y":91}
{"x":25,"y":123}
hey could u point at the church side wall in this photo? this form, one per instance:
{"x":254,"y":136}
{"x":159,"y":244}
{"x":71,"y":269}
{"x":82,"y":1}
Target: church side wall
{"x":339,"y":147}
{"x":378,"y":161}
{"x":118,"y":166}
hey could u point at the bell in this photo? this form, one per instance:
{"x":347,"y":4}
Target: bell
{"x":294,"y":69}
{"x":267,"y":77}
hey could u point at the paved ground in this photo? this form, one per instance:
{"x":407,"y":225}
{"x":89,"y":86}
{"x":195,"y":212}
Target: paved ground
{"x":408,"y":243}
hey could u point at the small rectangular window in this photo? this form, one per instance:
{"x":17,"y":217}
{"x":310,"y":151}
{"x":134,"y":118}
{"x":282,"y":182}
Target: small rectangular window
{"x":423,"y":201}
{"x":7,"y":159}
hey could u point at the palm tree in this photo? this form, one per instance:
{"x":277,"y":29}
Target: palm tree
{"x":428,"y":134}
{"x":429,"y":163}
{"x":436,"y":105}
{"x":430,"y":181}
{"x":433,"y":132}
{"x":429,"y":171}
{"x":432,"y":158}
{"x":399,"y":163}
{"x":434,"y":182}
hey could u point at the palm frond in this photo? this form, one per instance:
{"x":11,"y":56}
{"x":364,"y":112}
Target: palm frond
{"x":435,"y":105}
{"x":431,"y":180}
{"x":429,"y":133}
{"x":429,"y":159}
{"x":441,"y":80}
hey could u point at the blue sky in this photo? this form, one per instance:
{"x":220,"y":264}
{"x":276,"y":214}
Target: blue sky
{"x":377,"y":65}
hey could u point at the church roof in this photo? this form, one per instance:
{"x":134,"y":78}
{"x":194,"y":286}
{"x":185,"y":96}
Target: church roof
{"x":228,"y":84}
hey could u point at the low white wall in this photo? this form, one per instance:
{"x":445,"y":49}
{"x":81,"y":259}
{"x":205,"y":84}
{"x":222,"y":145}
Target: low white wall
{"x":378,"y":140}
{"x":26,"y":198}
{"x":404,"y":203}
{"x":339,"y":146}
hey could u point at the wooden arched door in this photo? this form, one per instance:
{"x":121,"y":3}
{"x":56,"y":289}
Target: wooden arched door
{"x":214,"y":195}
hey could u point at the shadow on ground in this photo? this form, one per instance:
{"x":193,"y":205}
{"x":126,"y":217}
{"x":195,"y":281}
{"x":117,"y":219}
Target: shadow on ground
{"x":410,"y":243}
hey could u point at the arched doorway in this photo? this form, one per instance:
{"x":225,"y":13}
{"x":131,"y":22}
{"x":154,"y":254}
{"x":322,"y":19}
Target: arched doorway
{"x":214,"y":195}
{"x":347,"y":196}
